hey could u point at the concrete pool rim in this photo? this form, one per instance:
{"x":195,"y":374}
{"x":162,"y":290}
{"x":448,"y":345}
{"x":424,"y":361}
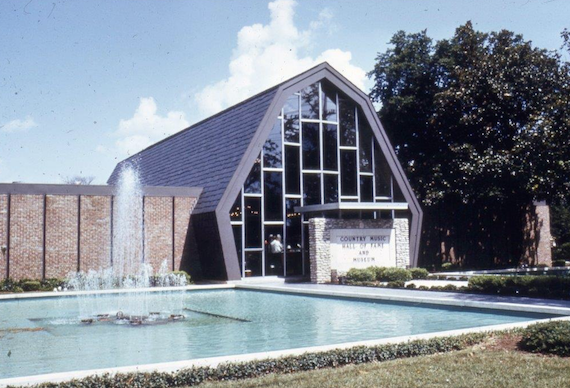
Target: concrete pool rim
{"x":341,"y":292}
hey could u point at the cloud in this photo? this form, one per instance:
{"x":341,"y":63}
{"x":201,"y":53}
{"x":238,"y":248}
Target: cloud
{"x":18,"y":125}
{"x":269,"y":54}
{"x":146,"y":127}
{"x":101,"y":149}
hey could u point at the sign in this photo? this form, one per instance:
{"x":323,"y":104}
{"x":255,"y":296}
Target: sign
{"x":361,"y":248}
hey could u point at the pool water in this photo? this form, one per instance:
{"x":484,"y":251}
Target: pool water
{"x":40,"y":336}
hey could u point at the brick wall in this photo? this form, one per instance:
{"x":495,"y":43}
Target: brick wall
{"x":95,"y":229}
{"x":78,"y":231}
{"x":61,"y":235}
{"x":26,"y":236}
{"x":183,"y":208}
{"x":158,"y":231}
{"x":3,"y":234}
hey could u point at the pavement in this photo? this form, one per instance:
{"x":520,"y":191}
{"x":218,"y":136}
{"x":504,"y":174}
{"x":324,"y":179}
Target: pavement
{"x":513,"y":303}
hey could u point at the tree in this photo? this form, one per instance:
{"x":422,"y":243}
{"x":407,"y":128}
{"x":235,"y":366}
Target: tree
{"x":78,"y":180}
{"x":478,"y":116}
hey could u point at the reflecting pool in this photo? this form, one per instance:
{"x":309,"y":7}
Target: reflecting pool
{"x":46,"y":335}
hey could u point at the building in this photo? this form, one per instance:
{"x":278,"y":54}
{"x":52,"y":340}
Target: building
{"x":310,"y":147}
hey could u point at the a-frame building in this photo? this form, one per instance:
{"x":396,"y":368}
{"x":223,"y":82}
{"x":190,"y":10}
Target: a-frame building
{"x":311,"y":146}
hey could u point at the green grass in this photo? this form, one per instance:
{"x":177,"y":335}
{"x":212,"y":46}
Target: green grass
{"x":475,"y":367}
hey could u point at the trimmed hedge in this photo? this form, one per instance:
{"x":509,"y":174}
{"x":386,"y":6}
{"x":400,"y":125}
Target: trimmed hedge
{"x":305,"y":362}
{"x":549,"y":337}
{"x":395,"y":275}
{"x":419,"y":273}
{"x":185,"y":274}
{"x":31,"y":285}
{"x":360,"y":275}
{"x":534,"y":286}
{"x":551,"y":287}
{"x":11,"y":285}
{"x":449,"y":267}
{"x":385,"y":274}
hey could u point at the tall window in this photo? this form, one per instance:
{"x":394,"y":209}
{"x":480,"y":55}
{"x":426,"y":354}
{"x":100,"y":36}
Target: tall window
{"x":320,"y":150}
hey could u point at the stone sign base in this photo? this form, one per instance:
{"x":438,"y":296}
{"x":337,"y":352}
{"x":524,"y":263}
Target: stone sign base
{"x":356,"y":244}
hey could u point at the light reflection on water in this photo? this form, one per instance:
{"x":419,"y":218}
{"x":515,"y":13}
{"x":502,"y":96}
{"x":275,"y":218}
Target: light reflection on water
{"x":217,"y":322}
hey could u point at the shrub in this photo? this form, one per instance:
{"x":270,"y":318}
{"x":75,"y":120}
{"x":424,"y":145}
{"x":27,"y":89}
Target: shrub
{"x":360,"y":275}
{"x":17,"y":289}
{"x":448,"y":267}
{"x":411,"y":286}
{"x":364,"y":284}
{"x":562,"y":252}
{"x":185,"y":274}
{"x":378,"y":272}
{"x":436,"y":288}
{"x":449,"y":287}
{"x":464,"y":278}
{"x":423,"y":288}
{"x":50,"y":284}
{"x":31,"y":285}
{"x":488,"y":284}
{"x":559,"y":263}
{"x":419,"y":273}
{"x":234,"y":371}
{"x":7,"y":285}
{"x":396,"y":274}
{"x":396,"y":284}
{"x":549,"y":337}
{"x":536,"y":286}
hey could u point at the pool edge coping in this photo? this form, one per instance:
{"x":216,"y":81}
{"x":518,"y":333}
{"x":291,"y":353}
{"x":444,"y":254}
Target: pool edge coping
{"x":59,"y":294}
{"x":433,"y":300}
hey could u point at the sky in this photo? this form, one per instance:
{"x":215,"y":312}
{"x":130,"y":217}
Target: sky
{"x":85,"y":84}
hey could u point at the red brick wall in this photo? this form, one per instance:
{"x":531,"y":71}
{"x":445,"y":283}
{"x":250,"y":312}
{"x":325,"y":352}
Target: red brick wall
{"x":182,"y":209}
{"x":3,"y":234}
{"x":158,"y":231}
{"x":95,"y":242}
{"x":26,"y":236}
{"x":26,"y":248}
{"x":61,"y":235}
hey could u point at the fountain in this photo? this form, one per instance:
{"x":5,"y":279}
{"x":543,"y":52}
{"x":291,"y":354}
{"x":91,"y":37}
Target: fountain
{"x":128,"y":270}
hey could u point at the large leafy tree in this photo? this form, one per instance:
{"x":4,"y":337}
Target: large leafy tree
{"x":477,"y":116}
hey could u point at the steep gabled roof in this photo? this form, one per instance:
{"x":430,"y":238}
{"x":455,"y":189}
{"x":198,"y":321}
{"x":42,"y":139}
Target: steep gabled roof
{"x":218,"y":153}
{"x":204,"y":155}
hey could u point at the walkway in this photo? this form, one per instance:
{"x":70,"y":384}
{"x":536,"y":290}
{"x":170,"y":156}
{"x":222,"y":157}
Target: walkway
{"x":548,"y":306}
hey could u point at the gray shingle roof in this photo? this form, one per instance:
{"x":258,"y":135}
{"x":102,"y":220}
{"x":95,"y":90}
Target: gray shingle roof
{"x":204,"y":155}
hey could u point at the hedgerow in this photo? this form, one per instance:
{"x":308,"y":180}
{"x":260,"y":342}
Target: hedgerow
{"x":11,"y":285}
{"x":536,"y":286}
{"x":549,"y":337}
{"x":552,"y":287}
{"x":385,"y":274}
{"x":305,"y":362}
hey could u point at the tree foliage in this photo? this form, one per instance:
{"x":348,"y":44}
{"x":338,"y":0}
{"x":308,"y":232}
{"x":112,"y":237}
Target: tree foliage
{"x":477,"y":116}
{"x":78,"y":180}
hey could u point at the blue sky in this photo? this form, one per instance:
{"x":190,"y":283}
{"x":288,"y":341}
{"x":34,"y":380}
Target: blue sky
{"x":83,"y":84}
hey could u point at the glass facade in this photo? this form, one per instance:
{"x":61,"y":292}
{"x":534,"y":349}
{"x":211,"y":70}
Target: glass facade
{"x":320,"y":150}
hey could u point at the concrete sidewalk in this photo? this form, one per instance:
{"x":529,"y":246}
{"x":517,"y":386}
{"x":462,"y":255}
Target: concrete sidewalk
{"x":512,"y":303}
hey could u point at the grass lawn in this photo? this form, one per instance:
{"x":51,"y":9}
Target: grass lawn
{"x":497,"y":363}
